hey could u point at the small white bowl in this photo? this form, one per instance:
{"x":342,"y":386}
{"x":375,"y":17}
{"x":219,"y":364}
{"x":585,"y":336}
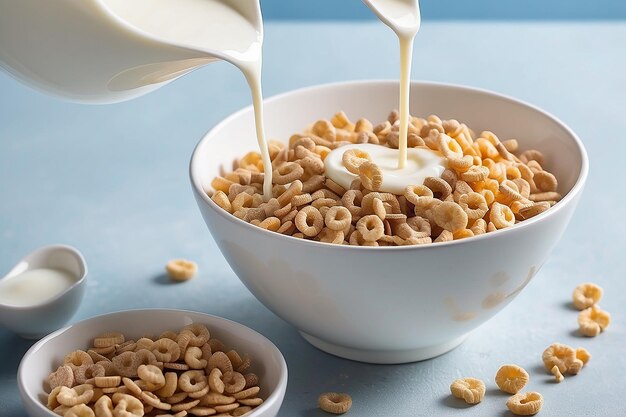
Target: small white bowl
{"x":389,"y":304}
{"x":34,"y":321}
{"x":45,"y":355}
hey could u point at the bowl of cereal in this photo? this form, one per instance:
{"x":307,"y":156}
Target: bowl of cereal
{"x":389,"y":276}
{"x":163,"y":361}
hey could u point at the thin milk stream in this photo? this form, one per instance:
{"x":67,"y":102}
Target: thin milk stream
{"x":403,"y":167}
{"x":208,"y":24}
{"x":403,"y":17}
{"x":218,"y":25}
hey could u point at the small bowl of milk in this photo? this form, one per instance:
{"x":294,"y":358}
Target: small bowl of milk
{"x":43,"y":291}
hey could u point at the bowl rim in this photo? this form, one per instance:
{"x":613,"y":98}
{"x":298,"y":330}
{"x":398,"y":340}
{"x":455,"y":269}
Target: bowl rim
{"x":567,"y":199}
{"x":275,"y":396}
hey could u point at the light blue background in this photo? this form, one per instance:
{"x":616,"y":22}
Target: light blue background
{"x":112,"y":181}
{"x":452,"y":9}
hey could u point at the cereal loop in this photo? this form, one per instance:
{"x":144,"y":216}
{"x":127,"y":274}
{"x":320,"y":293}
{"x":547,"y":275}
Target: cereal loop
{"x":62,"y":377}
{"x":525,"y":404}
{"x":370,"y":175}
{"x":199,"y":334}
{"x":511,"y":378}
{"x":80,"y":394}
{"x":309,"y":221}
{"x":78,"y":358}
{"x":586,"y":295}
{"x":233,"y":382}
{"x":440,"y":188}
{"x":414,"y":192}
{"x":151,"y":374}
{"x":338,"y":218}
{"x":474,"y":205}
{"x":181,"y":269}
{"x":192,"y":381}
{"x":166,"y":350}
{"x":353,"y":158}
{"x":193,"y":358}
{"x":335,"y":403}
{"x":501,"y":216}
{"x":449,"y":216}
{"x":287,"y":173}
{"x":470,"y":390}
{"x":560,"y":355}
{"x":126,"y":364}
{"x":371,"y":228}
{"x":220,"y":361}
{"x":592,"y":321}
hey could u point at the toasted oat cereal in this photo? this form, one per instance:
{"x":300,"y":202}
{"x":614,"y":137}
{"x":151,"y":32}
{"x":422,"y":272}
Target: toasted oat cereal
{"x":559,"y":355}
{"x":593,"y":320}
{"x":181,"y":269}
{"x":470,"y":390}
{"x":586,"y":295}
{"x":335,"y":403}
{"x":488,"y":184}
{"x":511,"y":378}
{"x":525,"y":404}
{"x":136,"y":384}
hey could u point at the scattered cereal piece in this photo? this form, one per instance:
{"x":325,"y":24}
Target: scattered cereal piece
{"x":335,"y":403}
{"x":586,"y":295}
{"x":557,"y":373}
{"x":592,"y":321}
{"x":511,"y":378}
{"x":181,"y":269}
{"x":525,"y":404}
{"x":470,"y":390}
{"x":560,"y":355}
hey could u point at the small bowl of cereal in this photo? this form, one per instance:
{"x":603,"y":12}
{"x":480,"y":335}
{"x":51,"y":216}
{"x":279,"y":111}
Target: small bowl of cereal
{"x":153,"y":362}
{"x":371,"y":261}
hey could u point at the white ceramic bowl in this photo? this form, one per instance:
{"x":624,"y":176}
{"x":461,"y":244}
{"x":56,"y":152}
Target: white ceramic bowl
{"x":38,"y":362}
{"x":35,"y":321}
{"x":389,"y":304}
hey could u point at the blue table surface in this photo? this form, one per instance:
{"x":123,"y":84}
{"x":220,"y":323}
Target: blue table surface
{"x":112,"y":181}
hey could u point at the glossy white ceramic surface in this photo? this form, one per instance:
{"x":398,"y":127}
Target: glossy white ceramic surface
{"x":36,"y":320}
{"x":83,"y":51}
{"x":390,"y":304}
{"x":49,"y":352}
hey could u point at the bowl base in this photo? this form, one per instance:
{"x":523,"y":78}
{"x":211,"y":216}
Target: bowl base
{"x":384,"y":356}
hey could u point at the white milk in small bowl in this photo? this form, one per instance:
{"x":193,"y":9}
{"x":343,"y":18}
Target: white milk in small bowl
{"x":43,"y":291}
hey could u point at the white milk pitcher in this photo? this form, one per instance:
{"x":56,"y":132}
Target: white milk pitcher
{"x":105,"y":51}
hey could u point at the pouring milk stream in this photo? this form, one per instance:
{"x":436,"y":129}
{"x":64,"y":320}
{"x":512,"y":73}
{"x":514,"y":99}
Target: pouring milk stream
{"x":105,"y":51}
{"x":405,"y":166}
